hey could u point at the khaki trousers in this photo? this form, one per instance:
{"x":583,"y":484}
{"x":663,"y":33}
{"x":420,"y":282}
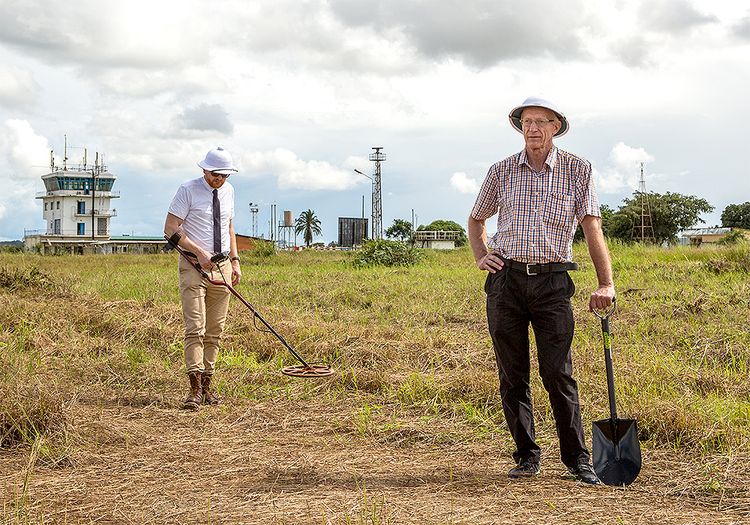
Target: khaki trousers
{"x":204,"y":310}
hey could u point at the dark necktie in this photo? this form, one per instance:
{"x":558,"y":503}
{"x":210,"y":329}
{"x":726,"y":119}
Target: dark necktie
{"x":217,"y":222}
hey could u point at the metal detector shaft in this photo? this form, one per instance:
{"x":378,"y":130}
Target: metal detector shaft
{"x":260,"y":317}
{"x":194,"y":263}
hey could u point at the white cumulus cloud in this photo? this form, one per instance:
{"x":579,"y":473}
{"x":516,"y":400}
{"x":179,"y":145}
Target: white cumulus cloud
{"x":463,"y":183}
{"x":17,"y":87}
{"x":295,"y":173}
{"x":623,"y":170}
{"x":21,"y":150}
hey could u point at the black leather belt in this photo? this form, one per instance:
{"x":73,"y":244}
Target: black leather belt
{"x":537,"y":268}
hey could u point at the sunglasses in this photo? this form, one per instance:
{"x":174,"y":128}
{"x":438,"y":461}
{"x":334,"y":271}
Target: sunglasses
{"x":222,"y":175}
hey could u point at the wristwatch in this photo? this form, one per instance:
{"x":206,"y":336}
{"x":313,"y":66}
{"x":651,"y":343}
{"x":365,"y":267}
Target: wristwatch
{"x":235,"y":258}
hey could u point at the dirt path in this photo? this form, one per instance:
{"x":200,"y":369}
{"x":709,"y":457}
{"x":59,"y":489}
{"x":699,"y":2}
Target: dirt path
{"x":284,"y":462}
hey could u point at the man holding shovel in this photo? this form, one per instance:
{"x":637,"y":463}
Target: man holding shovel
{"x":540,"y":195}
{"x":200,"y":221}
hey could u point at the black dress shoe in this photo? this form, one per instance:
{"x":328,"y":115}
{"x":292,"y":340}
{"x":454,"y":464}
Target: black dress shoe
{"x":525,"y":469}
{"x":584,"y":473}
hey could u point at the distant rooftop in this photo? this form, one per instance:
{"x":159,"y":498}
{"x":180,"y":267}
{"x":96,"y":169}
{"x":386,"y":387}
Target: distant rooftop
{"x":136,"y":238}
{"x":705,"y":231}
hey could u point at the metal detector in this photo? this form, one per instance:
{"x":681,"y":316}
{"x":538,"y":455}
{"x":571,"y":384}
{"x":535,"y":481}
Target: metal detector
{"x":304,"y":369}
{"x":615,"y":447}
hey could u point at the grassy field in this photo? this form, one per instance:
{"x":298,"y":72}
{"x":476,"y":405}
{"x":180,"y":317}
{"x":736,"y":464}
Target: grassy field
{"x":410,"y":428}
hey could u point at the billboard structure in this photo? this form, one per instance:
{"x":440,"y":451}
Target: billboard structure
{"x":352,"y":231}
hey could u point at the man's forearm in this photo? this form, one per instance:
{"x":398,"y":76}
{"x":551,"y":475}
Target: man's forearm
{"x":477,"y":238}
{"x":598,"y":250}
{"x":233,"y":252}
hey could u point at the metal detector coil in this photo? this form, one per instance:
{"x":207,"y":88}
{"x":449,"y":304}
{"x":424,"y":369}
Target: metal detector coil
{"x":302,"y":370}
{"x":308,"y":371}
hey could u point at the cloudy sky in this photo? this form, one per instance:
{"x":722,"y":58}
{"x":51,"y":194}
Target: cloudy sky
{"x":299,"y":91}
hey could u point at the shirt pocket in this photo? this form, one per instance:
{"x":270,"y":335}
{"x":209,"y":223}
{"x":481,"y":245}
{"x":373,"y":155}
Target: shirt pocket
{"x":558,"y":209}
{"x":207,"y":211}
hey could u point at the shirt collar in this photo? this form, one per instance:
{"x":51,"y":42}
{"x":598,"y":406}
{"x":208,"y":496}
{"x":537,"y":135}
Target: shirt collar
{"x":551,"y":160}
{"x":205,"y":184}
{"x":208,"y":187}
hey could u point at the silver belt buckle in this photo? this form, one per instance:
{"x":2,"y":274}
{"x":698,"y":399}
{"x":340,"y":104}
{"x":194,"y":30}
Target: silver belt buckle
{"x":528,"y":271}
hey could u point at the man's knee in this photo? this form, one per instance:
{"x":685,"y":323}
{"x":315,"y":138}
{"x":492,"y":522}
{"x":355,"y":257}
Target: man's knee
{"x":556,"y":377}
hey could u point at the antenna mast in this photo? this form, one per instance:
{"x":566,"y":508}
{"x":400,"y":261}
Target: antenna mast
{"x":644,"y":232}
{"x":377,"y":200}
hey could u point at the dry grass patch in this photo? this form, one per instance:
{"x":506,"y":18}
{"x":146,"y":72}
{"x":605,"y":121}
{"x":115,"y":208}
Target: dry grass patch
{"x":409,"y":430}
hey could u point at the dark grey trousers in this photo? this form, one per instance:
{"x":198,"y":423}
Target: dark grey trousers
{"x":515,"y":300}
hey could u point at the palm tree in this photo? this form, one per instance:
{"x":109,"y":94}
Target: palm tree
{"x":308,"y":225}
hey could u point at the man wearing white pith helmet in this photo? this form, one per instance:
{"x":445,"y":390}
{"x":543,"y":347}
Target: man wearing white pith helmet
{"x":200,"y":221}
{"x":540,"y":196}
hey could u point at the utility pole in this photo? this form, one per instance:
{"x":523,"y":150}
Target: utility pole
{"x":272,"y":224}
{"x":644,"y":232}
{"x":93,"y":193}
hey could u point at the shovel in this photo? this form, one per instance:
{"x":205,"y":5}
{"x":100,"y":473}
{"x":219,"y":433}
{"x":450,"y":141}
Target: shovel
{"x":615,"y":447}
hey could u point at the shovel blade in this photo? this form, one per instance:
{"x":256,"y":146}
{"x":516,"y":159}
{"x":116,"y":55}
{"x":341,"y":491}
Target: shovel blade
{"x":616,"y":451}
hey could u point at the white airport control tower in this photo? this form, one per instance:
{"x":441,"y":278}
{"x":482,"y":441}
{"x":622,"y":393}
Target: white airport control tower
{"x":76,"y":205}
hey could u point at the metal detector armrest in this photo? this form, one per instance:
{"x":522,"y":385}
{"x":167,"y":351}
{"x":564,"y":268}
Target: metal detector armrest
{"x":220,"y":257}
{"x":191,"y":258}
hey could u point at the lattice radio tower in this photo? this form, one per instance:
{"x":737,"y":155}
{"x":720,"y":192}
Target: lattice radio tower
{"x":254,"y":219}
{"x":644,"y":231}
{"x":377,"y":201}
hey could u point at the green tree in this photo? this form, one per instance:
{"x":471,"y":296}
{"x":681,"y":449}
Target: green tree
{"x":308,"y":225}
{"x":736,"y":216}
{"x":450,"y":226}
{"x":670,"y":213}
{"x":732,"y":238}
{"x":401,"y":230}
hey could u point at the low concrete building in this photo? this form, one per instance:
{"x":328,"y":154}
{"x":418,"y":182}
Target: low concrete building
{"x":247,"y":242}
{"x":699,"y":236}
{"x":51,"y":245}
{"x":436,"y":240}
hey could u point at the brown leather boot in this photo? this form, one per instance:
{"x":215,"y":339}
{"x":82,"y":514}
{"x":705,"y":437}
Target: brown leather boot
{"x":194,"y":398}
{"x":209,"y":398}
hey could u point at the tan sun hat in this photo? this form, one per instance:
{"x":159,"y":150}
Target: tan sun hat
{"x":537,"y":102}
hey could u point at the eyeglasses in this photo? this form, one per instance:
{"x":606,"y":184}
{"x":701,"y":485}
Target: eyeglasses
{"x":222,"y":175}
{"x":539,"y":122}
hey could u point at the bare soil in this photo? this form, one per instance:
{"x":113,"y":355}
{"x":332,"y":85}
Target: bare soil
{"x":291,"y":461}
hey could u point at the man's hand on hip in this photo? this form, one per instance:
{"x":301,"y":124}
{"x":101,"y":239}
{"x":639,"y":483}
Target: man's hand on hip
{"x":490,"y":262}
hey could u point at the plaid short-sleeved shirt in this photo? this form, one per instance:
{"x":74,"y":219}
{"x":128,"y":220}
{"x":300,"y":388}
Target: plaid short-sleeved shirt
{"x":538,"y":212}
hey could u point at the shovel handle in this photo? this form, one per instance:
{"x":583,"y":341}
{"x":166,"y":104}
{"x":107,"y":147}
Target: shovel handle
{"x":610,"y":369}
{"x":607,"y":337}
{"x":606,"y":314}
